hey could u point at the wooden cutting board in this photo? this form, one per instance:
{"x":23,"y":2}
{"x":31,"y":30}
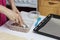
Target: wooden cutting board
{"x":6,"y":36}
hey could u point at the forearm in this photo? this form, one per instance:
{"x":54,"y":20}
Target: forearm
{"x":12,"y":3}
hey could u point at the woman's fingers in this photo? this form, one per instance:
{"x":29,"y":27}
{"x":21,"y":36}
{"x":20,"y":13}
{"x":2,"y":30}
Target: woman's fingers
{"x":17,"y":11}
{"x":20,"y":21}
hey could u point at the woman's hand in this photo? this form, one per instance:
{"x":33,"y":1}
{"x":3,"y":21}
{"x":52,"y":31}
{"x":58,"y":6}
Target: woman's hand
{"x":11,"y":15}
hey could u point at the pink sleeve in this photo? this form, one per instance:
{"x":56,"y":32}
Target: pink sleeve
{"x":2,"y":19}
{"x":2,"y":16}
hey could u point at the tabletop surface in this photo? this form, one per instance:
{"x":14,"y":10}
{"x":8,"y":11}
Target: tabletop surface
{"x":30,"y":35}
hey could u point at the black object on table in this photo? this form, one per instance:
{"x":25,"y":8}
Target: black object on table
{"x":50,"y":26}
